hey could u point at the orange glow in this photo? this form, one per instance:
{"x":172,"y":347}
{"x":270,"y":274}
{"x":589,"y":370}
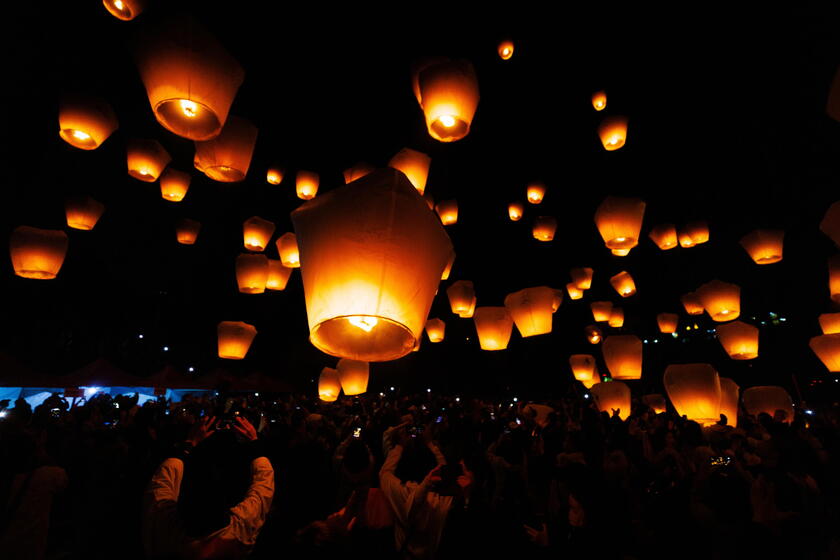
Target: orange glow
{"x":364,"y":322}
{"x":623,"y":356}
{"x":664,"y":236}
{"x":599,"y":100}
{"x":619,"y":221}
{"x":573,"y":291}
{"x":146,"y":159}
{"x":620,"y":252}
{"x":739,"y":340}
{"x":37,"y":253}
{"x":694,"y":390}
{"x":583,"y":366}
{"x":535,"y":193}
{"x":415,"y":165}
{"x":227,"y":157}
{"x":613,"y":133}
{"x":251,"y":273}
{"x":616,"y":317}
{"x":532,"y":310}
{"x":448,"y":211}
{"x":613,"y":395}
{"x":515,"y":211}
{"x":256,"y":233}
{"x":430,"y":201}
{"x":623,"y":284}
{"x":601,"y":310}
{"x":827,"y":349}
{"x":83,"y":212}
{"x":668,"y":322}
{"x":494,"y":326}
{"x":235,"y":338}
{"x":461,"y":295}
{"x":593,"y":334}
{"x":278,"y":275}
{"x":692,"y":304}
{"x":353,"y":375}
{"x":768,"y":399}
{"x":468,"y":314}
{"x":287,"y":248}
{"x":656,"y":402}
{"x":830,"y":323}
{"x":544,"y":228}
{"x":357,"y":171}
{"x":174,"y":184}
{"x":693,"y":234}
{"x":582,"y":277}
{"x":729,"y":401}
{"x":85,"y":122}
{"x":274,"y":176}
{"x":557,"y":301}
{"x":329,"y":385}
{"x":830,"y":224}
{"x":834,"y":278}
{"x":306,"y":184}
{"x":435,"y":330}
{"x":186,"y":231}
{"x":764,"y":246}
{"x":447,"y":91}
{"x":721,"y":300}
{"x":505,"y":50}
{"x":125,"y":10}
{"x":449,"y":265}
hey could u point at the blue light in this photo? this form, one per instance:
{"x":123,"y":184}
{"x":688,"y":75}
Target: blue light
{"x":90,"y":391}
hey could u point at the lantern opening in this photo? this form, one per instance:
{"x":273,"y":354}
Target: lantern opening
{"x":363,"y":337}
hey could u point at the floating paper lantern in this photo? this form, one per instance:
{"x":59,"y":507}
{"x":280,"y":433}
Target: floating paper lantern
{"x":227,"y":157}
{"x":721,"y":300}
{"x":582,"y":277}
{"x":515,"y":211}
{"x":610,"y":396}
{"x":85,"y":122}
{"x":616,"y":317}
{"x":329,"y":385}
{"x":125,"y":10}
{"x":668,"y":322}
{"x":447,"y":91}
{"x":83,"y":212}
{"x":583,"y":366}
{"x":764,"y":246}
{"x":693,"y":234}
{"x":623,"y":284}
{"x":664,"y":236}
{"x":535,"y":193}
{"x":574,"y":291}
{"x":623,"y":356}
{"x":461,"y":295}
{"x":37,"y":253}
{"x":834,"y":278}
{"x":256,"y":233}
{"x":601,"y":310}
{"x":656,"y":402}
{"x":694,"y":390}
{"x":449,"y":264}
{"x":174,"y":184}
{"x":827,"y":349}
{"x":197,"y":163}
{"x":468,"y":314}
{"x":532,"y":310}
{"x":505,"y":50}
{"x":830,"y":323}
{"x":729,"y":393}
{"x":613,"y":132}
{"x":353,"y":375}
{"x":371,"y":258}
{"x":494,"y":326}
{"x":278,"y":275}
{"x":557,"y":301}
{"x":544,"y":228}
{"x":619,"y":221}
{"x":146,"y":159}
{"x":274,"y":176}
{"x":190,"y":79}
{"x":599,"y":100}
{"x":357,"y":171}
{"x":448,"y":211}
{"x":739,"y":340}
{"x":692,"y":304}
{"x":287,"y":248}
{"x":830,"y":224}
{"x":235,"y":338}
{"x":620,"y":252}
{"x":251,"y":273}
{"x":768,"y":399}
{"x":415,"y":165}
{"x":593,"y":334}
{"x":435,"y":329}
{"x":186,"y":231}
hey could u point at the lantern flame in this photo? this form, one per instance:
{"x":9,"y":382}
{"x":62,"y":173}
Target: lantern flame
{"x":189,"y":108}
{"x":364,"y":322}
{"x":118,"y":4}
{"x":83,"y":136}
{"x":447,"y":120}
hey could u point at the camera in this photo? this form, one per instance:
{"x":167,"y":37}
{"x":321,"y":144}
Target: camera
{"x":720,"y":461}
{"x":415,"y":431}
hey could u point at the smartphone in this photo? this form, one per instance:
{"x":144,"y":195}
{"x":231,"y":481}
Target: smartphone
{"x":415,"y":431}
{"x":518,"y":422}
{"x":55,"y":412}
{"x":439,"y":419}
{"x":720,"y":461}
{"x":357,"y":433}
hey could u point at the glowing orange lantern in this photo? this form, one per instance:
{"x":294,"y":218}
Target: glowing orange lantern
{"x":612,"y":396}
{"x":274,"y":176}
{"x":623,"y":356}
{"x":583,"y":366}
{"x":558,"y":300}
{"x":722,"y":301}
{"x":447,"y":91}
{"x":186,"y":231}
{"x":461,"y":295}
{"x":251,"y":273}
{"x":278,"y":275}
{"x":329,"y":385}
{"x":85,"y":122}
{"x":664,"y":236}
{"x":125,"y":10}
{"x":830,"y":224}
{"x":257,"y":233}
{"x":353,"y":375}
{"x":593,"y":334}
{"x":740,"y":340}
{"x":535,"y":193}
{"x":692,"y":304}
{"x":694,"y":233}
{"x":768,"y":399}
{"x":668,"y":322}
{"x":494,"y":326}
{"x":619,"y":221}
{"x":616,"y":317}
{"x":449,"y":265}
{"x":601,"y":310}
{"x":694,"y":390}
{"x":544,"y":228}
{"x":515,"y":211}
{"x":764,"y":245}
{"x":574,"y":291}
{"x":235,"y":338}
{"x":834,"y":278}
{"x":174,"y":184}
{"x":146,"y":159}
{"x":589,"y":383}
{"x":287,"y":248}
{"x":357,"y":171}
{"x":623,"y":284}
{"x":468,"y":314}
{"x":532,"y":309}
{"x":827,"y":349}
{"x":613,"y":133}
{"x":830,"y":323}
{"x":448,"y":211}
{"x":729,"y":392}
{"x":415,"y":165}
{"x":227,"y":157}
{"x":599,"y":100}
{"x":83,"y":212}
{"x":505,"y":50}
{"x":620,"y":252}
{"x":581,"y":277}
{"x":435,"y":330}
{"x":37,"y":253}
{"x":656,"y":402}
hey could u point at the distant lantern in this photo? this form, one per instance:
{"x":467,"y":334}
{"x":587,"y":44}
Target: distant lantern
{"x":574,"y":291}
{"x":692,"y":304}
{"x":278,"y":275}
{"x":468,"y":314}
{"x":613,"y":132}
{"x":557,"y":301}
{"x":830,"y":224}
{"x":494,"y":326}
{"x":694,"y":390}
{"x":174,"y":184}
{"x":739,"y":340}
{"x":415,"y":165}
{"x":227,"y":157}
{"x":664,"y":236}
{"x":306,"y":184}
{"x":764,"y":246}
{"x":544,"y":228}
{"x":353,"y":375}
{"x":668,"y":322}
{"x":616,"y":317}
{"x":461,"y":295}
{"x":329,"y":385}
{"x":186,"y":231}
{"x":583,"y":366}
{"x":146,"y":159}
{"x":274,"y":176}
{"x":371,"y":260}
{"x":448,"y":211}
{"x":656,"y":402}
{"x":83,"y":212}
{"x":721,"y":300}
{"x":620,"y":252}
{"x":447,"y":91}
{"x":505,"y":49}
{"x":599,"y":100}
{"x":619,"y":221}
{"x":190,"y":79}
{"x":37,"y":253}
{"x":235,"y":338}
{"x":593,"y":334}
{"x":357,"y":171}
{"x":535,"y":193}
{"x":515,"y":211}
{"x":125,"y":10}
{"x":694,"y":233}
{"x":256,"y":233}
{"x":601,"y":310}
{"x":623,"y":356}
{"x":251,"y":273}
{"x":827,"y":349}
{"x":582,"y":277}
{"x":830,"y":323}
{"x":85,"y":122}
{"x":768,"y":399}
{"x":729,"y":393}
{"x":532,"y":310}
{"x":435,"y":329}
{"x":612,"y":396}
{"x":287,"y":248}
{"x":623,"y":284}
{"x":834,"y":278}
{"x":449,"y":264}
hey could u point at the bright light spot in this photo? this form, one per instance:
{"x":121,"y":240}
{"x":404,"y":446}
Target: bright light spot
{"x":144,"y":171}
{"x":621,"y":239}
{"x":191,"y":369}
{"x":2,"y":413}
{"x":140,"y":336}
{"x":447,"y":120}
{"x":645,"y":341}
{"x":457,"y":399}
{"x":256,"y":394}
{"x":118,"y":4}
{"x":515,"y":399}
{"x":392,"y":388}
{"x":90,"y":391}
{"x":809,"y":412}
{"x":363,"y":322}
{"x":627,"y":290}
{"x":586,"y":396}
{"x":724,"y":312}
{"x":188,"y":107}
{"x":381,"y":394}
{"x":613,"y":141}
{"x":506,"y":51}
{"x":166,"y":348}
{"x":79,"y":135}
{"x":428,"y":390}
{"x":675,"y":335}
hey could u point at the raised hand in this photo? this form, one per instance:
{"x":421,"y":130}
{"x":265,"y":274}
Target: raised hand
{"x":244,"y":428}
{"x":201,"y":430}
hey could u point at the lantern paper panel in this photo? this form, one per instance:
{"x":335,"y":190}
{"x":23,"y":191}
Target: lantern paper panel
{"x":468,"y":314}
{"x":599,"y":100}
{"x":85,"y":122}
{"x":739,"y":340}
{"x":278,"y":275}
{"x":125,"y":10}
{"x":557,"y":301}
{"x":535,"y":193}
{"x":601,"y":310}
{"x":357,"y":171}
{"x":583,"y":366}
{"x":460,"y":294}
{"x":435,"y":329}
{"x":656,"y":402}
{"x":251,"y":273}
{"x":619,"y":221}
{"x":274,"y":175}
{"x":287,"y":248}
{"x":415,"y":165}
{"x":37,"y":253}
{"x":256,"y":233}
{"x":234,"y":339}
{"x":593,"y":334}
{"x":574,"y":291}
{"x":668,"y":322}
{"x":447,"y":91}
{"x":694,"y":233}
{"x":544,"y":228}
{"x":623,"y":356}
{"x":616,"y":317}
{"x":729,"y":398}
{"x":329,"y":385}
{"x":515,"y":211}
{"x":721,"y":300}
{"x":494,"y":326}
{"x":83,"y":212}
{"x":353,"y":376}
{"x":764,"y":246}
{"x":620,"y":252}
{"x":834,"y":278}
{"x":532,"y":310}
{"x":830,"y":224}
{"x":146,"y":159}
{"x":227,"y":157}
{"x":174,"y":184}
{"x":448,"y":270}
{"x":694,"y":390}
{"x":505,"y":49}
{"x":691,"y":303}
{"x":582,"y":277}
{"x":664,"y":236}
{"x":827,"y":349}
{"x":623,"y":284}
{"x":613,"y":133}
{"x":448,"y":211}
{"x":768,"y":399}
{"x":610,"y":396}
{"x":830,"y":323}
{"x":186,"y":231}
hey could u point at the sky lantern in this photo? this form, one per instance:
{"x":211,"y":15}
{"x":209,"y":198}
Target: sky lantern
{"x":447,"y":91}
{"x":729,"y":397}
{"x":610,"y":396}
{"x":544,"y":228}
{"x":574,"y":291}
{"x":515,"y":211}
{"x":435,"y":330}
{"x":278,"y":275}
{"x":357,"y":171}
{"x":601,"y":310}
{"x":830,"y":224}
{"x":721,"y":300}
{"x":125,"y":10}
{"x":494,"y":326}
{"x":449,"y":264}
{"x":306,"y":184}
{"x":664,"y":236}
{"x":623,"y":356}
{"x":581,"y":277}
{"x":37,"y":253}
{"x":468,"y":314}
{"x":329,"y":385}
{"x":448,"y":211}
{"x":190,"y":79}
{"x":616,"y":317}
{"x":256,"y":233}
{"x":620,"y":252}
{"x":830,"y":323}
{"x":287,"y":248}
{"x":532,"y":310}
{"x":692,"y":304}
{"x":557,"y":300}
{"x":668,"y":322}
{"x":415,"y":165}
{"x":768,"y":399}
{"x":619,"y":221}
{"x":739,"y":339}
{"x":764,"y":246}
{"x":85,"y":122}
{"x":613,"y":132}
{"x":834,"y":277}
{"x":251,"y":273}
{"x":235,"y":338}
{"x":694,"y":390}
{"x":827,"y":349}
{"x":274,"y":175}
{"x":353,"y":375}
{"x":174,"y":184}
{"x":694,"y":233}
{"x":227,"y":157}
{"x":599,"y":100}
{"x":83,"y":212}
{"x":186,"y":231}
{"x":656,"y":402}
{"x":461,"y":295}
{"x":371,"y":259}
{"x":593,"y":334}
{"x":535,"y":193}
{"x":583,"y":366}
{"x":505,"y":49}
{"x":146,"y":159}
{"x":623,"y":284}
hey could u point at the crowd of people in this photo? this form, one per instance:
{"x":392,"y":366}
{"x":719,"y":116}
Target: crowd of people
{"x":410,"y":477}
